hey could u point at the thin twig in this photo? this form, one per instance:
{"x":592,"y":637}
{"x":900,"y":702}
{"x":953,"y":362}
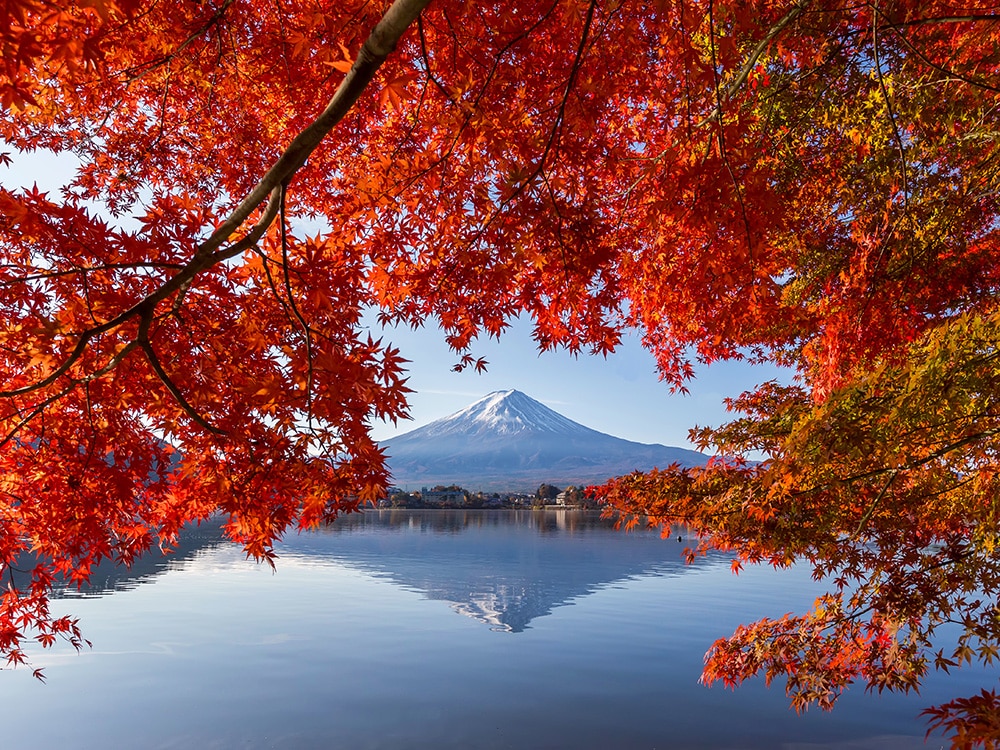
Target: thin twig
{"x":874,"y":504}
{"x":720,"y":122}
{"x":295,"y":310}
{"x":154,"y":362}
{"x":891,"y":115}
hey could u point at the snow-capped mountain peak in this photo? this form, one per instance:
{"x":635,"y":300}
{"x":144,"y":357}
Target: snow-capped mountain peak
{"x":508,"y":441}
{"x":505,"y":413}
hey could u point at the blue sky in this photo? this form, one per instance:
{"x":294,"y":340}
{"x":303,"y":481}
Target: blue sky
{"x":620,"y":395}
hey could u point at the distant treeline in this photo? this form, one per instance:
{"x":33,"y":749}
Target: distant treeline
{"x":453,"y":496}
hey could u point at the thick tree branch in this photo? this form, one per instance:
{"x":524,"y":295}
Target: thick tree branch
{"x":376,"y":48}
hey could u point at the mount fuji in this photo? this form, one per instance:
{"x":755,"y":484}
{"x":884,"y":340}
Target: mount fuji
{"x":508,"y":441}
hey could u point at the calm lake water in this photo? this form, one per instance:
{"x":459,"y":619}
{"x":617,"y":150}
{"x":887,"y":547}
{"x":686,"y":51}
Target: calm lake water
{"x":434,"y":629}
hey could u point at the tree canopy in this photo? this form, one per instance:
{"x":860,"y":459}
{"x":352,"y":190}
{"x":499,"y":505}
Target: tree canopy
{"x":810,"y":183}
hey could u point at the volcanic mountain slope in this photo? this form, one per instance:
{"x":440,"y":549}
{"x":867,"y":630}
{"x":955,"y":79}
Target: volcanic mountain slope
{"x":509,"y":441}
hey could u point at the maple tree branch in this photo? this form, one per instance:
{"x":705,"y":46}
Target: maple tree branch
{"x":570,"y":81}
{"x":556,"y":126}
{"x":891,"y":117}
{"x":559,"y":227}
{"x":306,"y":332}
{"x":175,"y":309}
{"x":266,"y":265}
{"x":748,"y":64}
{"x":557,"y":129}
{"x":284,"y":40}
{"x":163,"y":104}
{"x":140,"y":70}
{"x":897,"y":28}
{"x":145,"y":306}
{"x":481,"y":93}
{"x":916,"y":464}
{"x":112,"y":363}
{"x":741,"y":77}
{"x":38,"y":409}
{"x":723,"y":151}
{"x":154,"y":362}
{"x":970,"y":18}
{"x":874,"y":504}
{"x":376,"y":48}
{"x":248,"y":241}
{"x":427,"y":64}
{"x":75,"y":354}
{"x":539,"y":170}
{"x":42,"y":276}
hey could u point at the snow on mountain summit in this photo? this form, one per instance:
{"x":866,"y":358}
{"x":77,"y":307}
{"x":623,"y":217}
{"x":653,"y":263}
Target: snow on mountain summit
{"x":505,"y":413}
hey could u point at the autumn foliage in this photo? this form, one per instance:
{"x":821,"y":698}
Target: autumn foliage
{"x":811,"y":183}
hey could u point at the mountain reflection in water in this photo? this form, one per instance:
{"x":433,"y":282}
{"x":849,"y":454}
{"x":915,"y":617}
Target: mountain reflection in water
{"x":484,"y":564}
